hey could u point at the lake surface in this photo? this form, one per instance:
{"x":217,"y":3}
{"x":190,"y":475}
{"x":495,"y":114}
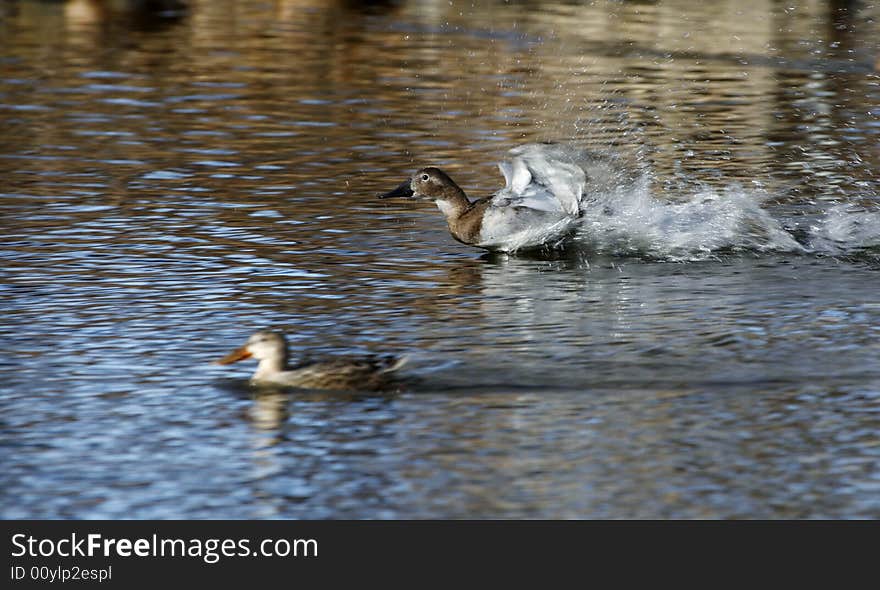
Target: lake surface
{"x":709,"y":347}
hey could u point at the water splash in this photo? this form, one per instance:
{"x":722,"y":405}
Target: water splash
{"x":846,"y":229}
{"x":607,"y":203}
{"x":632,"y":221}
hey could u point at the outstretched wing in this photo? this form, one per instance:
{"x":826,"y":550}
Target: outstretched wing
{"x":544,"y":177}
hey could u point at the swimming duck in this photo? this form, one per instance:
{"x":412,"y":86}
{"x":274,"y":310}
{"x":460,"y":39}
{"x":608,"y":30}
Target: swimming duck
{"x":369,"y":372}
{"x":547,"y":186}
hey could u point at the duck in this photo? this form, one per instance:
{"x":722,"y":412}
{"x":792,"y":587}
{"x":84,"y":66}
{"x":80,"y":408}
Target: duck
{"x":367,"y":372}
{"x":548,"y":186}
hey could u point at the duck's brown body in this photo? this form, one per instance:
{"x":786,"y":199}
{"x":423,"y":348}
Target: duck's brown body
{"x":465,"y":221}
{"x":344,"y":373}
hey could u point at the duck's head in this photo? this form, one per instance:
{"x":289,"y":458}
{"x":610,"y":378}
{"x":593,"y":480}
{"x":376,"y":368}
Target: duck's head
{"x":261,"y":345}
{"x":428,"y":184}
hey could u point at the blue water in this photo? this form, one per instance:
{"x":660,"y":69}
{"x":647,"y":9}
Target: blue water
{"x":710,"y":348}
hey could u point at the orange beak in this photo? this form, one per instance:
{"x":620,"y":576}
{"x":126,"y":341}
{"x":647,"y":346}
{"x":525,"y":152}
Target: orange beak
{"x":236,"y":355}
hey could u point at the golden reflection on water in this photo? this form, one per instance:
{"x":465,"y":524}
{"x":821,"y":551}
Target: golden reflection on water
{"x":331,"y":87}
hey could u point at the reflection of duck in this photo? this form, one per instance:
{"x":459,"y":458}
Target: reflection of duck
{"x":369,"y":372}
{"x":269,"y":412}
{"x":546,"y":186}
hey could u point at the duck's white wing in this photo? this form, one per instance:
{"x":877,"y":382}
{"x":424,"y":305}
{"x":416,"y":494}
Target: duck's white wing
{"x":544,"y":177}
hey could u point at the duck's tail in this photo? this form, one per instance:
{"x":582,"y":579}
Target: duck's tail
{"x":390,"y":363}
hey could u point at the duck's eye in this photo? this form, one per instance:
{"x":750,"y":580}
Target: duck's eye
{"x":425,"y":177}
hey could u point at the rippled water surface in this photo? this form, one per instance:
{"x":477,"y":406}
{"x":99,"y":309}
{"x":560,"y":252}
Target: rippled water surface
{"x":710,"y":346}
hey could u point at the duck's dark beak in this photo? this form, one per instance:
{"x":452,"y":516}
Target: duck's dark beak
{"x":404,"y":190}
